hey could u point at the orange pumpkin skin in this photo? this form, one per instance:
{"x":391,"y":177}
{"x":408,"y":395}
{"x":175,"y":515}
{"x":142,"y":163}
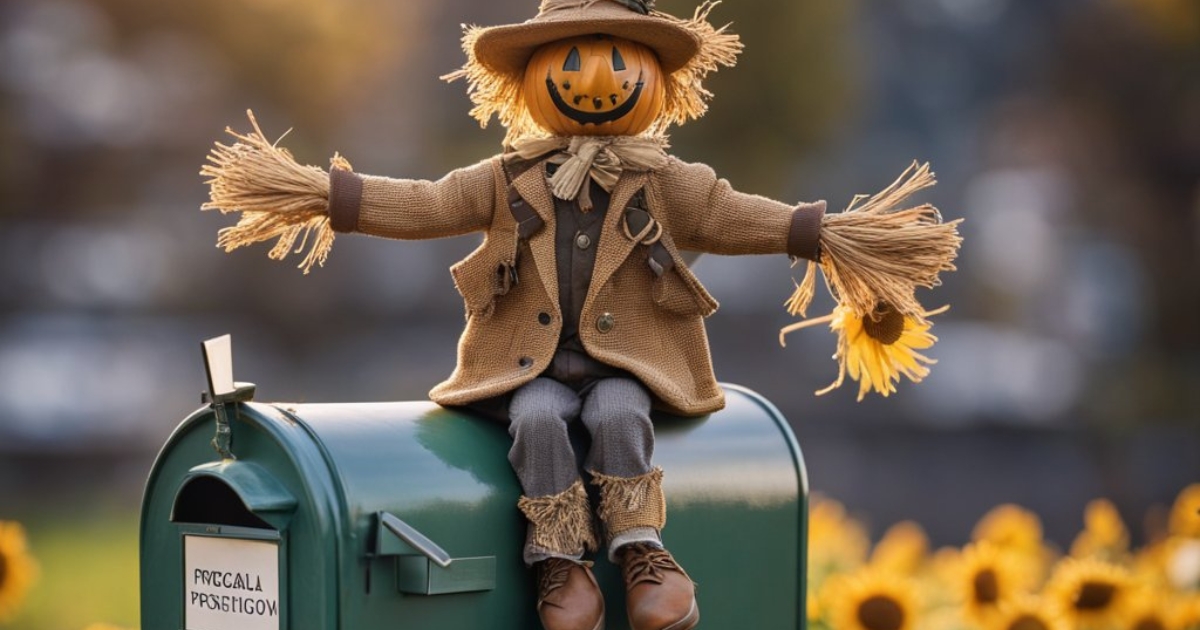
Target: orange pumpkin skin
{"x":594,"y":85}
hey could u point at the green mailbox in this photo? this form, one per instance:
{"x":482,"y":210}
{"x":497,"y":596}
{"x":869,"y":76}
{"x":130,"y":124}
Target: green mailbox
{"x":403,"y":515}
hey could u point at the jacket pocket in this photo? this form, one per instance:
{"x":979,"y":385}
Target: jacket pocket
{"x":482,"y":277}
{"x":678,"y":291}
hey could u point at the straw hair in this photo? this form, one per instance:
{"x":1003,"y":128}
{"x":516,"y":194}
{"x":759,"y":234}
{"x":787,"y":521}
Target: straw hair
{"x":500,"y":93}
{"x":278,"y":198}
{"x":873,"y":253}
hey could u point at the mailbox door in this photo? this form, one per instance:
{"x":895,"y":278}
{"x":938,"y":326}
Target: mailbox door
{"x":234,"y":577}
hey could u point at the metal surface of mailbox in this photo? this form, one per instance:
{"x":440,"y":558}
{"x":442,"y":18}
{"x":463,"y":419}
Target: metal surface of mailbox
{"x":328,"y":484}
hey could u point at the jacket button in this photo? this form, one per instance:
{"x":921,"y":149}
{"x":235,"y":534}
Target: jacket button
{"x":605,"y":322}
{"x":544,"y":319}
{"x":583,"y":241}
{"x":525,"y":362}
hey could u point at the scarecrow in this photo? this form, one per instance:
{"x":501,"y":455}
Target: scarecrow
{"x":579,"y":303}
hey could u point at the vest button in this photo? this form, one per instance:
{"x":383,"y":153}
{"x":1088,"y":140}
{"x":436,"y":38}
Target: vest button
{"x":605,"y":322}
{"x":544,"y":319}
{"x":583,"y":241}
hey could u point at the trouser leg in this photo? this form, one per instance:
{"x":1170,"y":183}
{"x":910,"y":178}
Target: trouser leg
{"x":554,"y":501}
{"x":616,"y":413}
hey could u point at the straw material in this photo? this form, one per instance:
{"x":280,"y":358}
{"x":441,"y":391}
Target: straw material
{"x":278,"y":198}
{"x":874,"y":253}
{"x":561,"y":522}
{"x":500,"y":93}
{"x":631,"y":502}
{"x":686,"y":97}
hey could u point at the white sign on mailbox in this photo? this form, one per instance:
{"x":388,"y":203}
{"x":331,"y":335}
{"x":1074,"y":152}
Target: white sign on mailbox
{"x":230,"y":583}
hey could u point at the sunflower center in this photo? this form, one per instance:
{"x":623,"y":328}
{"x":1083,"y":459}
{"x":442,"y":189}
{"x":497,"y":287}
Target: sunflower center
{"x":884,"y":325}
{"x":1149,"y":623}
{"x":987,"y":588}
{"x":880,"y":612}
{"x":1027,"y":622}
{"x":1095,"y":595}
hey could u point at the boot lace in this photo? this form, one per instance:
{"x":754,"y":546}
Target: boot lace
{"x":553,"y":573}
{"x":644,"y":563}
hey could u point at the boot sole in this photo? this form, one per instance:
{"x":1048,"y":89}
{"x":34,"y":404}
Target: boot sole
{"x":689,"y":620}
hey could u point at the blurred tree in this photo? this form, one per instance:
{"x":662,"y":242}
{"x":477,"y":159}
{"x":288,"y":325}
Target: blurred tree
{"x":318,"y":58}
{"x":1129,"y":76}
{"x":793,"y":86}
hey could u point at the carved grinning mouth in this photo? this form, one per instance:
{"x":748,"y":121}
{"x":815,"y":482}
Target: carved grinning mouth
{"x":593,"y":118}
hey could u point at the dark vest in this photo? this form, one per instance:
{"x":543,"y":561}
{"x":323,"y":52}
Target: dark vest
{"x":576,"y":237}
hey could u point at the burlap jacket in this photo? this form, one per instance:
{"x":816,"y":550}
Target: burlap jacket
{"x":647,"y":321}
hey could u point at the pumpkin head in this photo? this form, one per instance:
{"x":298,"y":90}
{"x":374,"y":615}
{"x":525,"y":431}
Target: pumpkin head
{"x":594,"y":85}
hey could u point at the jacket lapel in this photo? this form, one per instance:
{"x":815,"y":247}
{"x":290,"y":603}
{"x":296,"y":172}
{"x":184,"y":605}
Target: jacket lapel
{"x":614,"y":246}
{"x":533,"y":189}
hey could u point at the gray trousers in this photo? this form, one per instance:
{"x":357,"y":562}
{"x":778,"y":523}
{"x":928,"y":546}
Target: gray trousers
{"x":615,"y":412}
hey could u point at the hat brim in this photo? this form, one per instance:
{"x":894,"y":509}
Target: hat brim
{"x":507,"y":49}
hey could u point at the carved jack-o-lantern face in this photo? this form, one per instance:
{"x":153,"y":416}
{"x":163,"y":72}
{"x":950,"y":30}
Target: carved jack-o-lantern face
{"x":594,"y":85}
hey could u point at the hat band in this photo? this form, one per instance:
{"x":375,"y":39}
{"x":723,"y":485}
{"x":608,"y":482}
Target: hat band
{"x":558,"y":5}
{"x":549,"y":6}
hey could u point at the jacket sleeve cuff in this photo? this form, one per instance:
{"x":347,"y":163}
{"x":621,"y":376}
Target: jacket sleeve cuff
{"x":345,"y":199}
{"x":804,"y":234}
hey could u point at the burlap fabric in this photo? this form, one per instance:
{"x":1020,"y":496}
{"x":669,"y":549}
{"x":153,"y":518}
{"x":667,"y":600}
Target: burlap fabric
{"x":560,"y":523}
{"x":651,"y":326}
{"x":631,"y":502}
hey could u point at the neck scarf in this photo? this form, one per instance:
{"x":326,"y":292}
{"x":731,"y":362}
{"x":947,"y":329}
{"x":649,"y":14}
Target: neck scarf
{"x":599,"y":158}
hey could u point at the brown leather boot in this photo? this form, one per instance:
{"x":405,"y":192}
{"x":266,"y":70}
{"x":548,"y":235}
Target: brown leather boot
{"x":659,"y":595}
{"x":568,"y":596}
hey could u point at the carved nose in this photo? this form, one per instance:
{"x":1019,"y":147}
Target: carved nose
{"x":597,"y":79}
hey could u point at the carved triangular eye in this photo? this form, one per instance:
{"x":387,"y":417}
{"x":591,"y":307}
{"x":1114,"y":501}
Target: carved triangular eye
{"x":618,"y":60}
{"x":572,"y":63}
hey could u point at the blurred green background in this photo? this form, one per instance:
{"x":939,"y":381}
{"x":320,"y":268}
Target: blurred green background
{"x":1066,"y":132}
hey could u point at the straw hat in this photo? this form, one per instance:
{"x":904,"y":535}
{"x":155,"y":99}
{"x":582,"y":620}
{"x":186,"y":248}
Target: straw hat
{"x":687,"y":49}
{"x":507,"y":49}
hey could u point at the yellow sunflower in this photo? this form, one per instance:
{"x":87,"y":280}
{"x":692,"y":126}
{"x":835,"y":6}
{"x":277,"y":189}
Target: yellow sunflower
{"x":1182,"y":562}
{"x":1185,"y":513}
{"x":1027,"y":612}
{"x":1104,"y":535}
{"x":1186,"y":613}
{"x":871,"y":599}
{"x":941,"y":579}
{"x":1148,"y":609}
{"x":1018,"y":532}
{"x":943,"y":618}
{"x":837,"y":543}
{"x":904,"y":548}
{"x":988,"y":578}
{"x":877,"y":348}
{"x":18,"y":569}
{"x":1149,"y":563}
{"x":1090,"y":593}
